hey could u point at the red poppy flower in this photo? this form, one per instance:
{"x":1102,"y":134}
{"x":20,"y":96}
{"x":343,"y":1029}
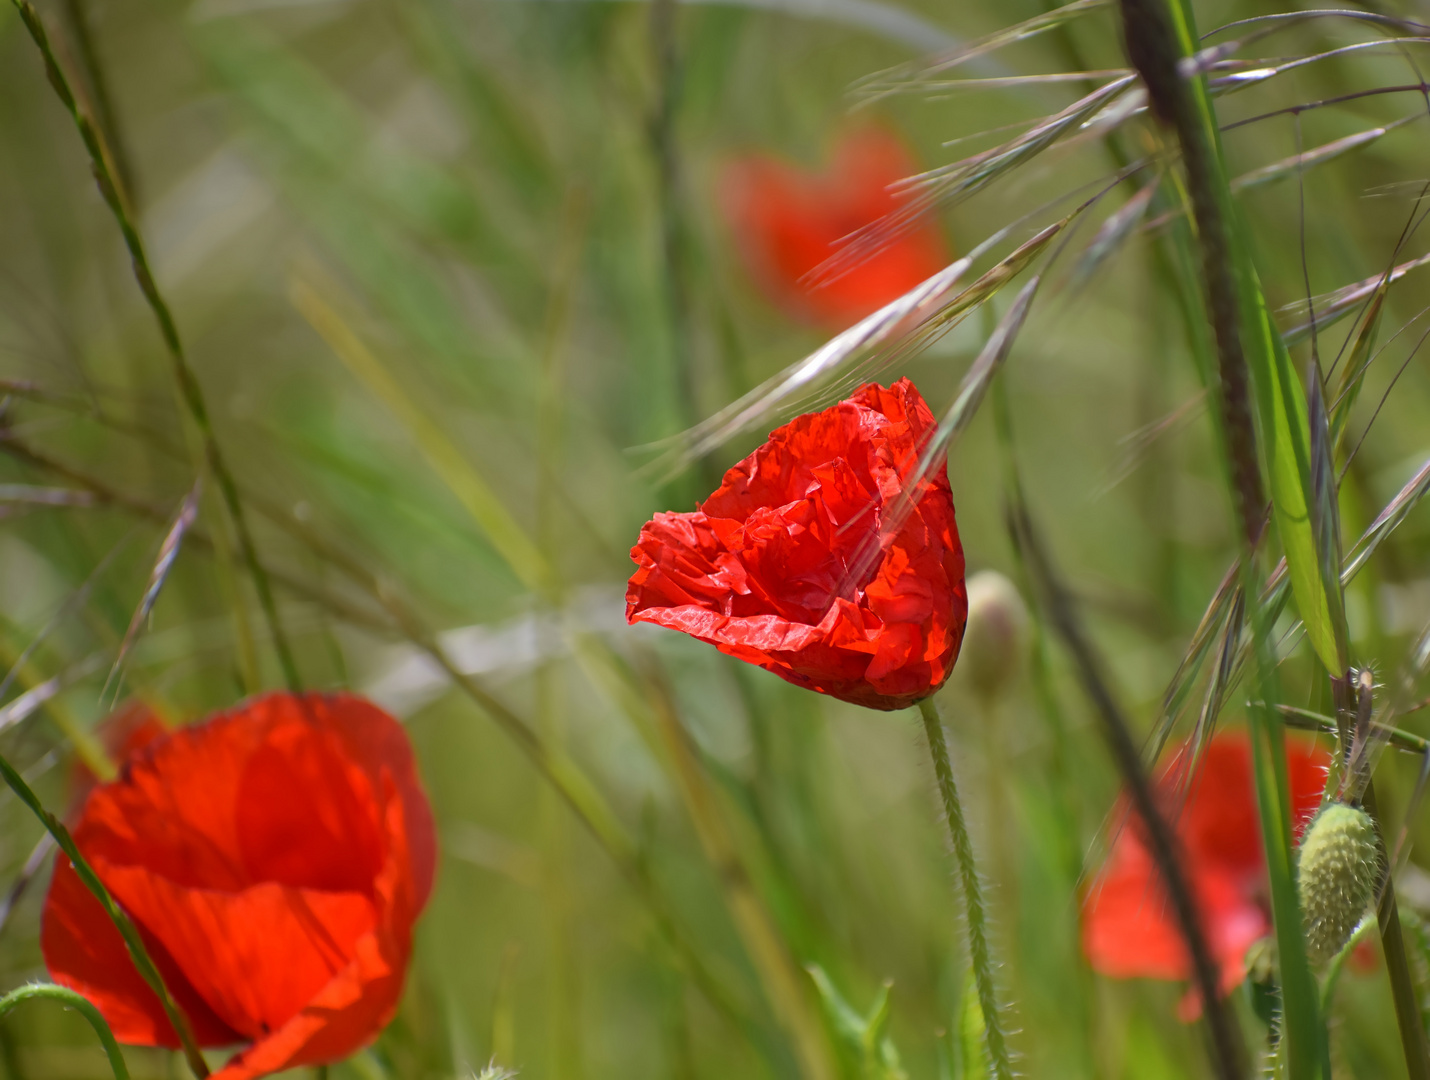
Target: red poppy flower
{"x":787,"y":222}
{"x":274,"y":859}
{"x":1128,"y":930}
{"x":122,"y":734}
{"x":760,"y":569}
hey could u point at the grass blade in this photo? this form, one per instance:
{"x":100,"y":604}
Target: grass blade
{"x":470,"y":488}
{"x":127,"y":930}
{"x":1325,"y":516}
{"x":72,"y":1000}
{"x":190,"y":393}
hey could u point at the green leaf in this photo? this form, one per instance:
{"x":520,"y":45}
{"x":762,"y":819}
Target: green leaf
{"x":1285,"y":435}
{"x":970,"y":1035}
{"x":865,"y":1047}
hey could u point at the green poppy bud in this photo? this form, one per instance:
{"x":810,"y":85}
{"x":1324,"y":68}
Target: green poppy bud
{"x":1339,"y":865}
{"x":994,"y":640}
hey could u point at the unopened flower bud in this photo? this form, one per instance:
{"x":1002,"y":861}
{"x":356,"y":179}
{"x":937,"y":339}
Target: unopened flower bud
{"x":1339,"y":864}
{"x":993,"y":642}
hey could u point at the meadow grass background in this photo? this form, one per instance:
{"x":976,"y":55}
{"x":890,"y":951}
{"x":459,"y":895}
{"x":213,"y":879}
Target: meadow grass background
{"x":474,"y":188}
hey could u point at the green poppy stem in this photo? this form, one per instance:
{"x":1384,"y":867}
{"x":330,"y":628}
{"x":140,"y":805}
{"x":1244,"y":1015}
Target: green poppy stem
{"x":68,"y":997}
{"x":978,"y":950}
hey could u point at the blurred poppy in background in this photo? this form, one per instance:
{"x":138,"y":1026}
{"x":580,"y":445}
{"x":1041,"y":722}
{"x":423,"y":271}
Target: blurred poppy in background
{"x":761,"y":569}
{"x":1128,"y":929}
{"x":274,"y":859}
{"x":788,"y":222}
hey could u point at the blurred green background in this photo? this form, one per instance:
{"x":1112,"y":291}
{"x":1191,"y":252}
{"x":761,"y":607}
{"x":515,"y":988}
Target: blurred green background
{"x":511,"y":205}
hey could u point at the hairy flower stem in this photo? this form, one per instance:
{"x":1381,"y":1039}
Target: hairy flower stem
{"x":71,"y":1000}
{"x":972,"y":892}
{"x":191,"y":395}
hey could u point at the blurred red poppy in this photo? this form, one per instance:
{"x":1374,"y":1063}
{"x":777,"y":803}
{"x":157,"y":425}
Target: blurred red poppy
{"x":274,"y":859}
{"x":759,"y":570}
{"x":1127,"y":928}
{"x":787,"y":222}
{"x":122,"y":734}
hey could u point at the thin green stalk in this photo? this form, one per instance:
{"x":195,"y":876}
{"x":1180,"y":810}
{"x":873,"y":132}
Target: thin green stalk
{"x":66,"y":996}
{"x":79,"y":23}
{"x":190,"y":393}
{"x":1397,"y":963}
{"x":563,"y":984}
{"x":127,"y":930}
{"x":1338,"y":962}
{"x":972,"y":892}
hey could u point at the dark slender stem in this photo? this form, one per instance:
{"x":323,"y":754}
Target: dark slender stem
{"x":1154,"y":50}
{"x":978,"y":951}
{"x":1228,"y":1054}
{"x":78,"y":19}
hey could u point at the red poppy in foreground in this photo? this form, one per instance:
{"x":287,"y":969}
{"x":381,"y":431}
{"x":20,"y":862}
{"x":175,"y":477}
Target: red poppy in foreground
{"x":788,"y":222}
{"x":1128,"y":929}
{"x":760,"y":569}
{"x":274,"y":859}
{"x":122,"y":734}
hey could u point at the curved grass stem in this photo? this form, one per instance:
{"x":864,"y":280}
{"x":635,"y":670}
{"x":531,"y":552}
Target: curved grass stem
{"x":66,"y":996}
{"x":127,"y":930}
{"x":185,"y":381}
{"x":978,"y":950}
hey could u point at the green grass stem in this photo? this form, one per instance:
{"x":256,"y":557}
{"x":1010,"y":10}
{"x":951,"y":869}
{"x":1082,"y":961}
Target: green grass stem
{"x":72,"y":1000}
{"x":186,"y":382}
{"x":127,"y":930}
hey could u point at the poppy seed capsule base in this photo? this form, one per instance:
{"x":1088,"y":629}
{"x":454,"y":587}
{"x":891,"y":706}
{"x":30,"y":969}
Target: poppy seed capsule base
{"x":1339,"y":864}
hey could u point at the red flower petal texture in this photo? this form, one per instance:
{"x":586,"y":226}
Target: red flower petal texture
{"x":274,"y":859}
{"x":122,"y":734}
{"x":787,"y":222}
{"x":759,"y":570}
{"x":1128,"y":930}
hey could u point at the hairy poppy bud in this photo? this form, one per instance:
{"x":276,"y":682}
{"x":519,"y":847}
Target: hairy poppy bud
{"x":1339,"y":863}
{"x":993,"y":640}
